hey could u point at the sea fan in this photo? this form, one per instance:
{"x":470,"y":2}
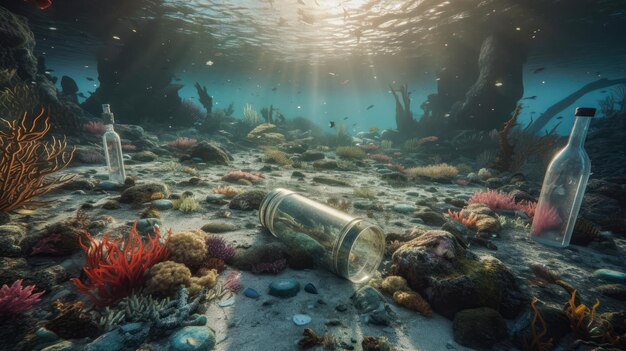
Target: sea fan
{"x":16,"y":299}
{"x":217,"y":247}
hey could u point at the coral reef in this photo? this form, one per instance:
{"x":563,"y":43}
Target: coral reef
{"x":217,"y":247}
{"x":545,"y":218}
{"x":439,"y":171}
{"x":188,"y":248}
{"x":186,"y":204}
{"x":164,"y":278}
{"x":16,"y":299}
{"x":115,"y":267}
{"x":227,"y":191}
{"x":413,"y":301}
{"x":26,"y":162}
{"x":179,"y":313}
{"x":277,"y":156}
{"x":94,"y":127}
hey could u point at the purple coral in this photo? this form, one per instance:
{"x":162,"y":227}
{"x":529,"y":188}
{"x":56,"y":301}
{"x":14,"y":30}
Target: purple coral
{"x":216,"y":247}
{"x":16,"y":299}
{"x":270,"y":267}
{"x":47,"y":245}
{"x":234,"y":176}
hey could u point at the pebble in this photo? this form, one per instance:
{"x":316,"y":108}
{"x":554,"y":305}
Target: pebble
{"x":196,"y":338}
{"x":109,"y":185}
{"x":404,"y":208}
{"x":79,"y":192}
{"x":301,"y":319}
{"x":611,"y":275}
{"x":64,"y":345}
{"x":310,"y":288}
{"x":163,"y":204}
{"x":215,"y":198}
{"x":251,"y":293}
{"x":45,"y":336}
{"x":228,"y":302}
{"x":341,"y":308}
{"x":284,"y":287}
{"x":146,"y":224}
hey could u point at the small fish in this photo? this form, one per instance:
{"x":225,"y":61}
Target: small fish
{"x":345,"y":118}
{"x":530,"y":97}
{"x":331,"y":124}
{"x":560,"y":117}
{"x":274,"y":88}
{"x":116,"y":37}
{"x":42,"y":4}
{"x":81,"y":95}
{"x":540,"y":69}
{"x":369,"y":107}
{"x":89,"y":79}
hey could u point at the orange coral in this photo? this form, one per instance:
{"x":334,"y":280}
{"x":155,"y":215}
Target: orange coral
{"x":26,"y":161}
{"x":227,"y":191}
{"x":468,"y":221}
{"x":581,"y":317}
{"x":413,"y":301}
{"x":537,"y":344}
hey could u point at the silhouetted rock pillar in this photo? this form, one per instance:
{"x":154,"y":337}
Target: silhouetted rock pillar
{"x":70,"y":88}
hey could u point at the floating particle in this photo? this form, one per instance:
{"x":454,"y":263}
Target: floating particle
{"x":209,"y":63}
{"x":116,"y":37}
{"x":498,"y":84}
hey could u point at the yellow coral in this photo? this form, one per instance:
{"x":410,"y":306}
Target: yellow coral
{"x":188,"y":248}
{"x":165,"y":277}
{"x":186,"y":204}
{"x":439,"y":171}
{"x":207,"y":278}
{"x":227,"y":191}
{"x":394,"y":283}
{"x":413,"y":301}
{"x":350,"y":152}
{"x":277,"y":156}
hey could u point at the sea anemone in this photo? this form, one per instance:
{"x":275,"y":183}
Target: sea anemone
{"x":182,"y":143}
{"x":17,"y":299}
{"x":217,"y":247}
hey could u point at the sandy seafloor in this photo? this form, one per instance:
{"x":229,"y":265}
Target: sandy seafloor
{"x":265,"y":323}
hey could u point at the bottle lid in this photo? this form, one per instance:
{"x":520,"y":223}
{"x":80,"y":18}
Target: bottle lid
{"x":106,"y":108}
{"x":107,"y":115}
{"x":585,"y":112}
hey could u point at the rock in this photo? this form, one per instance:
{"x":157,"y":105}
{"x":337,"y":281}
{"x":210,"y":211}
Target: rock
{"x":368,"y":299}
{"x":79,"y":184}
{"x":488,"y":224}
{"x":284,"y":288}
{"x":208,"y":152}
{"x":301,"y":319}
{"x":4,"y":218}
{"x":45,"y":336}
{"x":144,"y":192}
{"x":249,"y":200}
{"x":64,"y":345}
{"x":109,"y":185}
{"x":163,"y":204}
{"x":145,"y":156}
{"x":452,"y":279}
{"x":331,"y":181}
{"x":557,"y":325}
{"x":111,"y":205}
{"x":145,"y":225}
{"x":297,"y":174}
{"x":325,"y":165}
{"x":312,"y":156}
{"x":193,"y":338}
{"x":429,"y":216}
{"x":251,"y":293}
{"x":394,"y":177}
{"x":404,"y":208}
{"x":598,"y":209}
{"x":49,"y":277}
{"x":341,"y":308}
{"x":610,"y":275}
{"x":216,"y":198}
{"x":121,"y":338}
{"x":616,"y":291}
{"x":11,"y":237}
{"x":479,"y":327}
{"x":18,"y":43}
{"x":219,"y":227}
{"x":310,"y":288}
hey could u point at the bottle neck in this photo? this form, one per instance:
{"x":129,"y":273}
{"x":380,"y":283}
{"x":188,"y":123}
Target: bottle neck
{"x":579,"y":132}
{"x":109,"y":127}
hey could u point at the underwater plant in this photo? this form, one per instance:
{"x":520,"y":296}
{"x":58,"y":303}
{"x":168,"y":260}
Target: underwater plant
{"x":182,"y":143}
{"x":582,"y":318}
{"x":495,"y":200}
{"x":386,"y":144}
{"x":468,"y":221}
{"x":380,"y":157}
{"x":16,"y":299}
{"x":350,"y":152}
{"x":227,"y":191}
{"x":250,"y":117}
{"x":545,"y":217}
{"x":115,"y":268}
{"x":94,"y":127}
{"x":439,"y":171}
{"x":186,"y":204}
{"x":235,"y":176}
{"x":26,"y":162}
{"x":537,"y":343}
{"x":366,"y":193}
{"x":217,"y":247}
{"x":233,"y":282}
{"x":277,"y":156}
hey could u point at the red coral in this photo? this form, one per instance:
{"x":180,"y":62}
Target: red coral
{"x":116,"y":267}
{"x":234,"y":176}
{"x":94,"y":127}
{"x":129,"y":147}
{"x":495,"y":200}
{"x":467,"y":221}
{"x":16,"y":299}
{"x":182,"y":143}
{"x":546,"y":217}
{"x":528,"y":207}
{"x":369,"y":147}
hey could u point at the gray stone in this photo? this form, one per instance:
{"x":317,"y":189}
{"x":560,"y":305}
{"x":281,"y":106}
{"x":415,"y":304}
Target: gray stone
{"x":246,"y":201}
{"x":404,"y":208}
{"x":216,"y":198}
{"x":325,"y":165}
{"x":194,"y":338}
{"x":11,"y":237}
{"x":492,"y":327}
{"x":284,"y":288}
{"x":208,"y":152}
{"x":144,"y":192}
{"x":124,"y":337}
{"x":219,"y":227}
{"x":331,"y":181}
{"x":147,"y":224}
{"x":109,"y":185}
{"x":312,"y":156}
{"x":64,"y":345}
{"x":163,"y":204}
{"x":145,"y":156}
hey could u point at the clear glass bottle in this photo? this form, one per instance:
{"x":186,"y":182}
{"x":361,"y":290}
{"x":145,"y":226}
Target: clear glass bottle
{"x":112,"y":147}
{"x":564,"y":187}
{"x":350,"y":247}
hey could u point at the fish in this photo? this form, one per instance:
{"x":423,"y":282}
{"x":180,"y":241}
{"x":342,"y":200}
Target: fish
{"x":560,"y":117}
{"x":42,"y":4}
{"x":540,"y":69}
{"x":81,"y":95}
{"x":331,"y":124}
{"x":89,"y":79}
{"x":530,"y":97}
{"x":274,"y":88}
{"x":345,"y":118}
{"x":369,"y":107}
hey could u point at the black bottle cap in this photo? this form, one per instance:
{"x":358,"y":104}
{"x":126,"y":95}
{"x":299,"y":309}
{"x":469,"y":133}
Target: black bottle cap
{"x":585,"y":112}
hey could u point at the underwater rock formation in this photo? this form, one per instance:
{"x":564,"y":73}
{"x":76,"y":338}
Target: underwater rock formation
{"x":453,"y":279}
{"x":18,"y":42}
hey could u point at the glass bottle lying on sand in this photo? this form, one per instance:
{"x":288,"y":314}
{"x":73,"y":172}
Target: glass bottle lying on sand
{"x":348,"y":246}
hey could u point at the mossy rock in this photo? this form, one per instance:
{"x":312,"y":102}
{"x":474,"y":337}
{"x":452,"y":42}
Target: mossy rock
{"x":452,"y":279}
{"x":144,"y":192}
{"x":479,"y":328}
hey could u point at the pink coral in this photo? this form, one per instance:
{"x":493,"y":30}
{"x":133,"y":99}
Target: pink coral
{"x":369,"y":147}
{"x":94,"y":127}
{"x":233,"y":282}
{"x":270,"y":267}
{"x":182,"y":143}
{"x":217,"y":247}
{"x":128,"y":147}
{"x":234,"y":176}
{"x":546,"y":217}
{"x":380,"y":157}
{"x":528,"y":207}
{"x":17,"y":299}
{"x":495,"y":200}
